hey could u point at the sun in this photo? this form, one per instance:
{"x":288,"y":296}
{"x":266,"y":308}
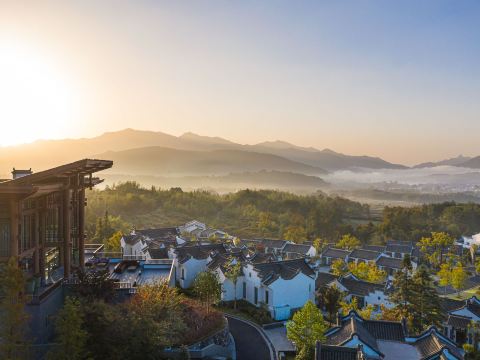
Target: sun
{"x":36,"y":99}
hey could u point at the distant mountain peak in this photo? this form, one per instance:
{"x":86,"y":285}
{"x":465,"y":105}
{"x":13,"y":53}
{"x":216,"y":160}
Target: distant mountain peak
{"x":280,"y":144}
{"x":205,"y":139}
{"x":455,"y":161}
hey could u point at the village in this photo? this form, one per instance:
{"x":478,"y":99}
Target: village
{"x":257,"y":297}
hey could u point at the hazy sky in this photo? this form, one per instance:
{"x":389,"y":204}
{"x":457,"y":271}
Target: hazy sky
{"x":396,"y":79}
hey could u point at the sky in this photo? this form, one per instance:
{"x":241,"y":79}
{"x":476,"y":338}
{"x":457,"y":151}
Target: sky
{"x":394,"y":79}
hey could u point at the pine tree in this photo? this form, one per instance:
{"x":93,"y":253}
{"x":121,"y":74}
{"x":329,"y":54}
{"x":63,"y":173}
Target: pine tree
{"x":426,"y":310}
{"x":12,"y":312}
{"x":403,"y":293}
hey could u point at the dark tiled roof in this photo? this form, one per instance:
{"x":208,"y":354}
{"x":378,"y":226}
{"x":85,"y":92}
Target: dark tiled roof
{"x":331,"y":352}
{"x":336,"y":253}
{"x":459,"y":322}
{"x":364,"y":254}
{"x":159,"y":233}
{"x":268,"y":243}
{"x":324,"y":279}
{"x":258,"y":258}
{"x":360,"y":287}
{"x":220,"y":259}
{"x":448,"y":305}
{"x":404,"y":247}
{"x":160,"y":253}
{"x":379,"y":248}
{"x":296,"y":248}
{"x":198,"y":252}
{"x":368,"y":331}
{"x":432,"y":343}
{"x":286,"y":269}
{"x":388,"y":262}
{"x":473,"y":306}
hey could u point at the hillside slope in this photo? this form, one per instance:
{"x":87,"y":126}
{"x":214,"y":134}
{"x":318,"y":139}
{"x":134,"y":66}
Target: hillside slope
{"x":165,"y":161}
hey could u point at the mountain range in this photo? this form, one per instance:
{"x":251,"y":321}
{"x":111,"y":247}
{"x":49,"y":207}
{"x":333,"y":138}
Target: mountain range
{"x":210,"y":151}
{"x":149,"y":153}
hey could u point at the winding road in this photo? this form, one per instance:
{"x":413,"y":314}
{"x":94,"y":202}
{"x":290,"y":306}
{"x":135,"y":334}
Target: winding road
{"x":249,"y":342}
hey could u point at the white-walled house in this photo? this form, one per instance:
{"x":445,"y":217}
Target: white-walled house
{"x":133,"y":244}
{"x":279,"y":286}
{"x":189,"y":261}
{"x":365,"y":292}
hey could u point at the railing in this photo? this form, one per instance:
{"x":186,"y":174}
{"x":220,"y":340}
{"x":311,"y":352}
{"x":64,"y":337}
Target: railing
{"x":159,"y":262}
{"x":134,"y":257}
{"x":123,"y":285}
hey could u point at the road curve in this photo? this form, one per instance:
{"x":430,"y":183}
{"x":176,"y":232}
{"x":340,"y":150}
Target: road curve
{"x":249,"y":342}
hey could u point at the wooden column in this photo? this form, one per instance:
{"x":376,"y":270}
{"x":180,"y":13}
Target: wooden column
{"x":42,"y":240}
{"x":67,"y":256}
{"x":81,"y":228}
{"x":36,"y":255}
{"x":14,"y":226}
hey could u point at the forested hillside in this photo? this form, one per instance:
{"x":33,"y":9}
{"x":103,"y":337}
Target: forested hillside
{"x":246,"y":213}
{"x":275,"y":214}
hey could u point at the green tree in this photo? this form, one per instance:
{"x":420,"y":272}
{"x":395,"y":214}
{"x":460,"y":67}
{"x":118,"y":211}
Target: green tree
{"x":306,"y":327}
{"x":12,"y":310}
{"x":445,"y":275}
{"x":318,"y":244}
{"x":349,"y":242}
{"x":459,"y":277}
{"x":330,"y":298}
{"x":434,"y":247}
{"x":71,"y":337}
{"x":426,"y":309}
{"x":207,"y":288}
{"x":154,"y":320}
{"x":233,"y":270}
{"x":365,"y":312}
{"x":367,"y":272}
{"x":297,"y":234}
{"x":339,"y":267}
{"x":113,"y":243}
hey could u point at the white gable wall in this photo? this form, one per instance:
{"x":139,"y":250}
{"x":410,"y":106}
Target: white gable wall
{"x":191,"y":268}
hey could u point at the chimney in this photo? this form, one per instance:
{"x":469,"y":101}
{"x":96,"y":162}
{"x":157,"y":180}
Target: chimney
{"x":16,"y":174}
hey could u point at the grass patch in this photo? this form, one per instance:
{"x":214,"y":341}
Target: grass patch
{"x":246,"y":311}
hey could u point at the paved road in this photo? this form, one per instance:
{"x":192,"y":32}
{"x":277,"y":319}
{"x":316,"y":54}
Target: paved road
{"x":248,"y":341}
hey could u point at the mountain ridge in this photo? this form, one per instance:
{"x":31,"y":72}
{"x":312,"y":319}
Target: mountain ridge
{"x":43,"y":154}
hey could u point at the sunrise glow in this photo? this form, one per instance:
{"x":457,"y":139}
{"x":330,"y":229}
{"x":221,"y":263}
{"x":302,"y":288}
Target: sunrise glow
{"x":37,"y":100}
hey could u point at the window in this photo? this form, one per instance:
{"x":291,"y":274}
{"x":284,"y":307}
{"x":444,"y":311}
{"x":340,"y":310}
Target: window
{"x":266,"y":297}
{"x":309,"y":287}
{"x":255,"y":296}
{"x":244,"y":290}
{"x":249,"y":274}
{"x":183,"y":274}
